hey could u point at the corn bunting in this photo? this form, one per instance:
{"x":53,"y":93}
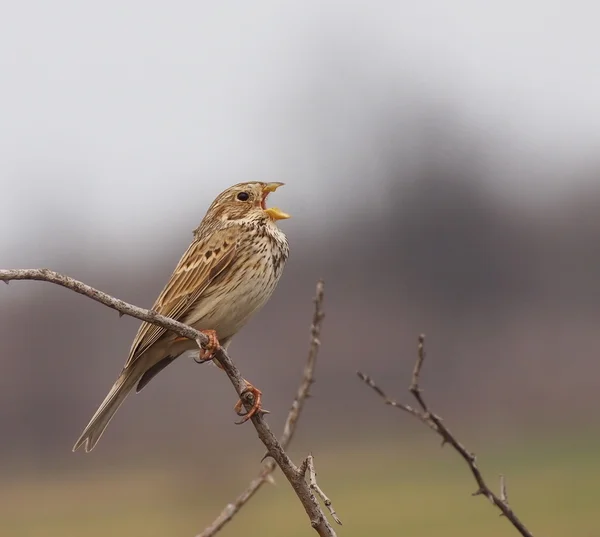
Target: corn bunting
{"x":228,"y":273}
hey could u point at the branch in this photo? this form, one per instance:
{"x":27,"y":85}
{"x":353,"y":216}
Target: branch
{"x":289,"y":428}
{"x":435,"y":423}
{"x":275,"y":450}
{"x":309,"y":465}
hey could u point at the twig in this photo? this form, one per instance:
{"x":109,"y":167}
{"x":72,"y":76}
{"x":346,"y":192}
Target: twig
{"x":275,"y":450}
{"x":309,"y":371}
{"x":309,"y":465}
{"x":435,"y":423}
{"x":47,"y":275}
{"x":407,"y":408}
{"x":503,"y":493}
{"x":289,"y":428}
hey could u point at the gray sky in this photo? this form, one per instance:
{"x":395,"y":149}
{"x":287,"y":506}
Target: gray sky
{"x":126,"y":101}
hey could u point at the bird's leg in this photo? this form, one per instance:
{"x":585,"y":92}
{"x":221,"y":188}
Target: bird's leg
{"x":207,"y":351}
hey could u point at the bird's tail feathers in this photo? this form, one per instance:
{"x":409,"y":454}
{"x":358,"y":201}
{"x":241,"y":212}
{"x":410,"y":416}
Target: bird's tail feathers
{"x":100,"y":420}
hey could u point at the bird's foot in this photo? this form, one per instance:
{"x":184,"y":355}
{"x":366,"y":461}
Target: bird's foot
{"x":250,"y":394}
{"x":210,"y":348}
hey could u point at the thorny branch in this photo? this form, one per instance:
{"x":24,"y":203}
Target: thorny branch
{"x":434,"y":422}
{"x":308,"y":465}
{"x":289,"y":428}
{"x":275,"y":450}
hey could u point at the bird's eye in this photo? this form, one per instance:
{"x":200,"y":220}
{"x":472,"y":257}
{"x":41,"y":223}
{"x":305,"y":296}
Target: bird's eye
{"x":243,"y":196}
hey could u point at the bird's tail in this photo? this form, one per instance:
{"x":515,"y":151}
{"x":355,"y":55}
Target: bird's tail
{"x":109,"y":406}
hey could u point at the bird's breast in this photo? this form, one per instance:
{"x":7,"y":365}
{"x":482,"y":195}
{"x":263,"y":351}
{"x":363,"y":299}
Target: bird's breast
{"x":243,"y":287}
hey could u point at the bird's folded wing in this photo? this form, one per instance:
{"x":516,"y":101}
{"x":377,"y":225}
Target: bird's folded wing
{"x":202,"y":262}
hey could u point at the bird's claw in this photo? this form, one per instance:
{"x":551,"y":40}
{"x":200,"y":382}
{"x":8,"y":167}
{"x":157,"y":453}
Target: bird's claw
{"x":210,"y":348}
{"x":256,"y":404}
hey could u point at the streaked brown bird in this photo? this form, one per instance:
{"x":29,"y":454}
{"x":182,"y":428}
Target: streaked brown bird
{"x":228,"y":273}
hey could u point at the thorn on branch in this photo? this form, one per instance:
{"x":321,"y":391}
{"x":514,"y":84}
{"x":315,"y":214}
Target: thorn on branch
{"x":483,"y":492}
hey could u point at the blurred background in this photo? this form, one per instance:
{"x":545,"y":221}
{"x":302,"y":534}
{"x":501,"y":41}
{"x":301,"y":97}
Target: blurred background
{"x":442,"y":170}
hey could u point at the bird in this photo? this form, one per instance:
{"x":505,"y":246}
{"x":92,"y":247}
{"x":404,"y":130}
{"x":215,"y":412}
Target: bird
{"x":228,"y":272}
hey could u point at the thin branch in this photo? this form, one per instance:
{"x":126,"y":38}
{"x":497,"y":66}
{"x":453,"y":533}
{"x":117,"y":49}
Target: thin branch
{"x":407,"y":408}
{"x":435,"y":423}
{"x":503,"y":493}
{"x":47,"y":275}
{"x":289,"y":428}
{"x":309,"y":371}
{"x":275,"y":450}
{"x":309,"y":465}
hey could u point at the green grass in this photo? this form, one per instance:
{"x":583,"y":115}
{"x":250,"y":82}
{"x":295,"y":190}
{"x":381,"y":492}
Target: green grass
{"x":420,"y":491}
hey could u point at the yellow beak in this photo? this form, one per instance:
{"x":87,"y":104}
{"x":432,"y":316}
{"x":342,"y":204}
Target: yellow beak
{"x":271,"y":187}
{"x":274,"y":212}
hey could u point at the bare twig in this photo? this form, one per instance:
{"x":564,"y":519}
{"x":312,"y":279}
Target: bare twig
{"x":407,"y":408}
{"x":309,"y":371}
{"x":309,"y":465}
{"x":503,"y":493}
{"x":289,"y":428}
{"x":47,"y":275}
{"x":435,"y":423}
{"x":275,"y":450}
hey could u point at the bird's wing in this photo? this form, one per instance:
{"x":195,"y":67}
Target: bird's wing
{"x":202,"y":262}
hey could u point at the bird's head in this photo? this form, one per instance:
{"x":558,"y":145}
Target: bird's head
{"x":245,"y":202}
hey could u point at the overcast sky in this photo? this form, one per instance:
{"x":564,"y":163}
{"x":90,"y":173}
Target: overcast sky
{"x":148,"y":106}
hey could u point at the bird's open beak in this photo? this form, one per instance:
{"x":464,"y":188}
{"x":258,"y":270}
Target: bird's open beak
{"x":273,"y":212}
